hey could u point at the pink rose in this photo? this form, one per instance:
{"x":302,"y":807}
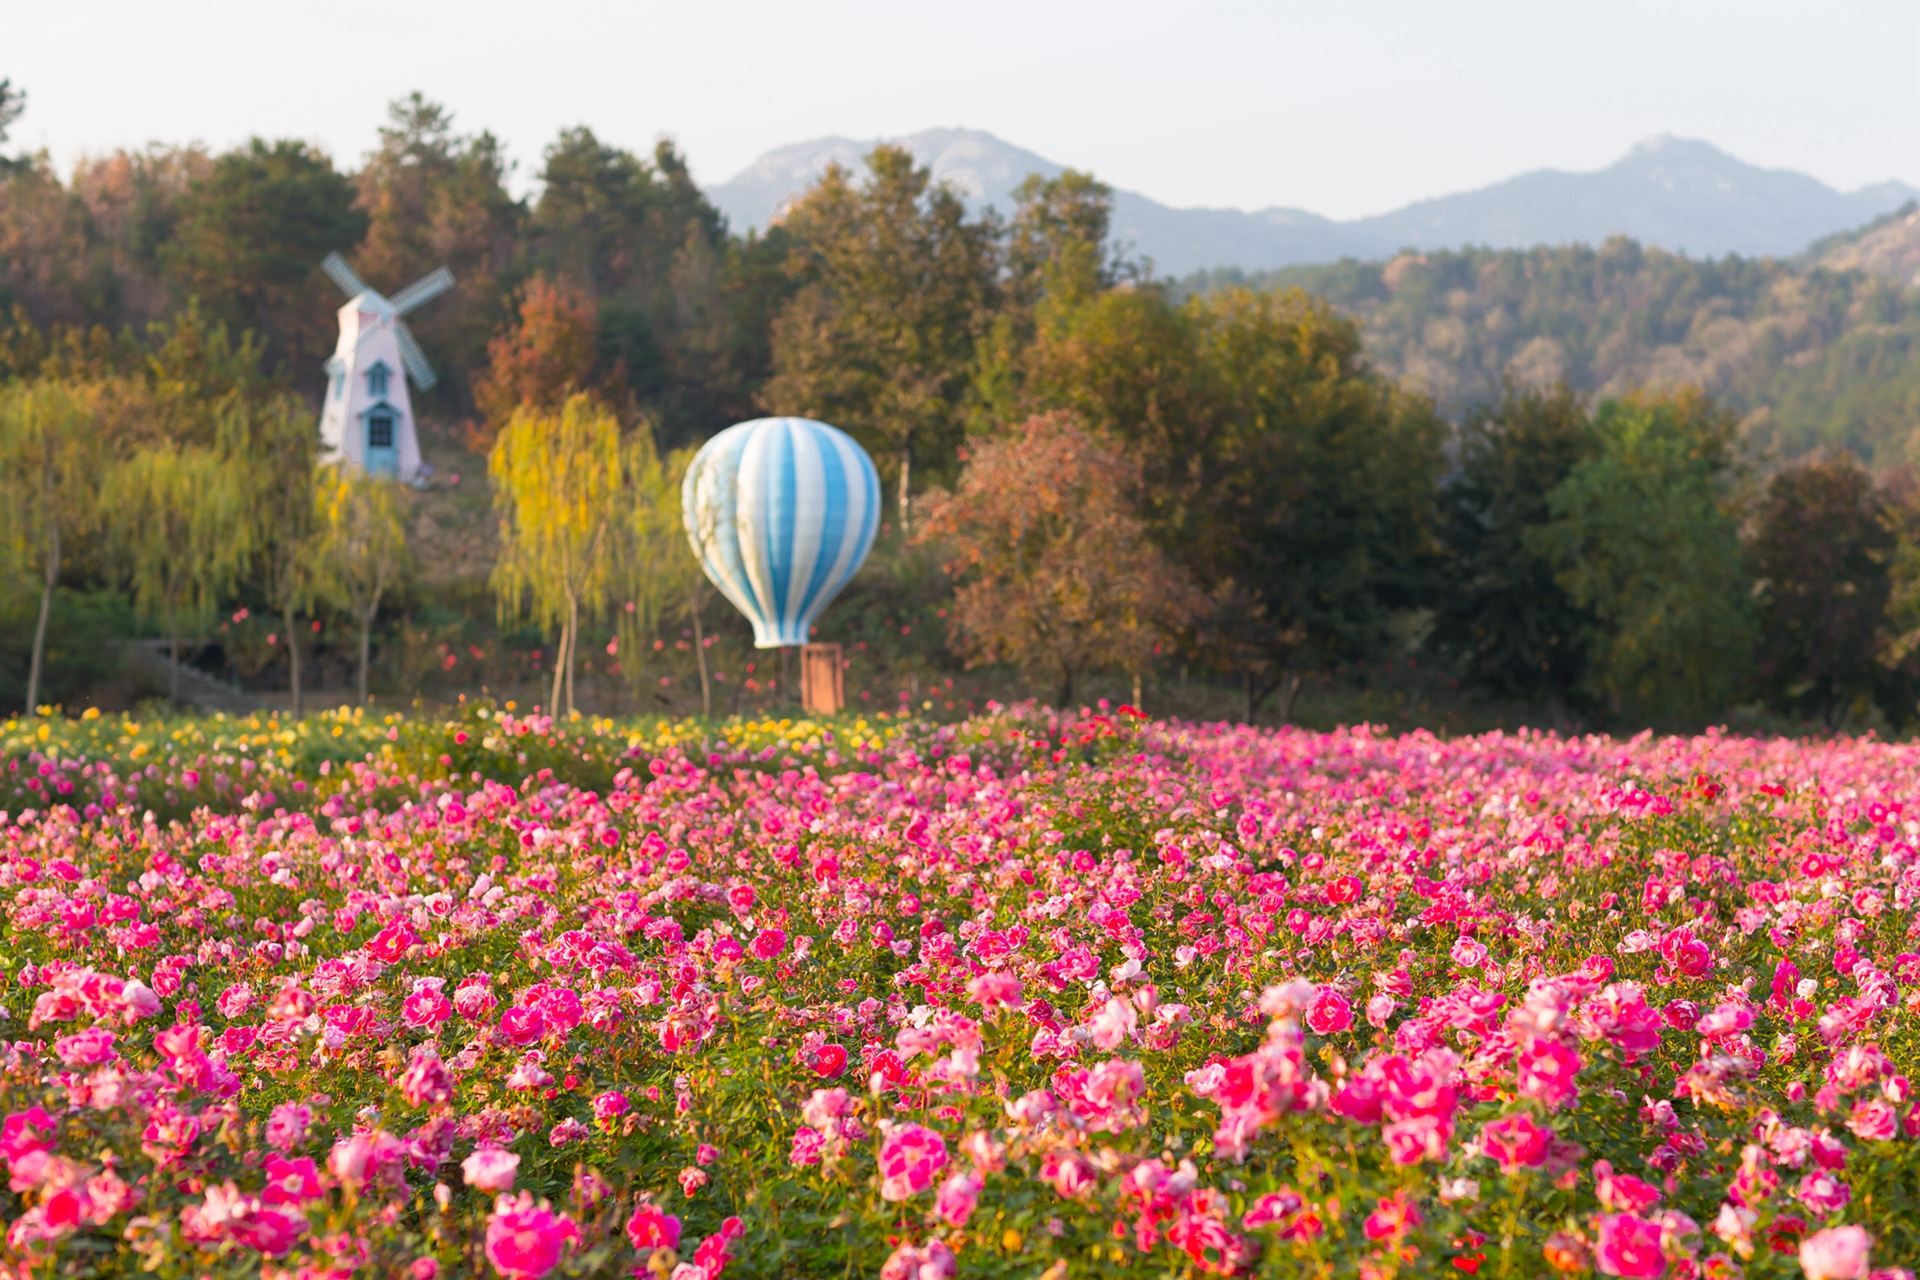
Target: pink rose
{"x":1516,"y":1141}
{"x":525,"y":1240}
{"x":651,"y":1227}
{"x":490,"y":1169}
{"x":521,"y":1025}
{"x":958,"y":1196}
{"x":291,"y":1181}
{"x":1329,"y":1013}
{"x":1838,"y":1253}
{"x":1629,"y":1246}
{"x":910,"y":1158}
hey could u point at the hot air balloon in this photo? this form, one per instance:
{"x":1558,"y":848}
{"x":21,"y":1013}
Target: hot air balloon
{"x":781,"y":513}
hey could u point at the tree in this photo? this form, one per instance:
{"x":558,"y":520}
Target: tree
{"x":277,"y":445}
{"x":1500,"y":613}
{"x":546,"y":357}
{"x":249,"y":241}
{"x":1310,"y":495}
{"x":896,"y":289}
{"x":13,"y":103}
{"x":359,"y":551}
{"x":658,"y":576}
{"x":1644,"y":535}
{"x":1057,"y":572}
{"x":1820,"y":550}
{"x":1057,"y":239}
{"x":560,"y":488}
{"x":435,"y":197}
{"x":49,"y":491}
{"x":180,"y":523}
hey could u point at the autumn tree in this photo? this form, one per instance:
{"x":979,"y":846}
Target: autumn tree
{"x":1645,"y":536}
{"x":1500,"y":613}
{"x":359,"y":551}
{"x":548,"y":355}
{"x":50,"y":464}
{"x":180,"y":524}
{"x":1057,"y":574}
{"x":560,"y":489}
{"x":896,"y":287}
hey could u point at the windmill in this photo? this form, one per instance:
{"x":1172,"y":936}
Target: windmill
{"x":368,"y":418}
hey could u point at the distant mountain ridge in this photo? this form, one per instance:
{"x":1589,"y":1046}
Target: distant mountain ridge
{"x":1678,"y":194}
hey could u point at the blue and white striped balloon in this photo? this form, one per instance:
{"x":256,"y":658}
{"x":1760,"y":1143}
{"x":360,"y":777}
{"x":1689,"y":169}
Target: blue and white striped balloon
{"x":781,"y":513}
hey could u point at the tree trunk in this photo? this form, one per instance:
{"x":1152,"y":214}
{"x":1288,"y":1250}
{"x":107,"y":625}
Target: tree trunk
{"x":1138,"y":700}
{"x":38,"y":662}
{"x":559,"y":673}
{"x":293,"y":657}
{"x":173,"y":662}
{"x":1066,"y":688}
{"x":906,"y":473}
{"x":366,"y":653}
{"x":1247,"y":703}
{"x":573,"y":644}
{"x":1292,"y":685}
{"x":700,"y":656}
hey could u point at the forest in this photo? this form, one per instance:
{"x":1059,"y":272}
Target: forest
{"x":1598,"y":486}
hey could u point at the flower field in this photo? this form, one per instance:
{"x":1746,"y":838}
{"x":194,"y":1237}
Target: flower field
{"x":1021,"y":995}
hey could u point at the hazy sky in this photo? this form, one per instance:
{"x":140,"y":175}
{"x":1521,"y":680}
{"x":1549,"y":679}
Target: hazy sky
{"x":1344,"y":107}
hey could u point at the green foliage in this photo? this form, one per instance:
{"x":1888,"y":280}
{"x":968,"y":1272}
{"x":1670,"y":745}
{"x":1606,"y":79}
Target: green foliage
{"x":182,"y":532}
{"x":565,"y":487}
{"x":85,"y":631}
{"x":1819,"y":551}
{"x":1807,"y":356}
{"x":1644,"y":537}
{"x":358,"y":551}
{"x":1500,"y":615}
{"x":896,"y":288}
{"x":250,"y":240}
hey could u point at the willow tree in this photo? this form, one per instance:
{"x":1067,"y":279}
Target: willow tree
{"x":49,"y":491}
{"x":182,"y":532}
{"x":560,"y":488}
{"x":357,"y":552}
{"x":659,"y":577}
{"x":276,"y":443}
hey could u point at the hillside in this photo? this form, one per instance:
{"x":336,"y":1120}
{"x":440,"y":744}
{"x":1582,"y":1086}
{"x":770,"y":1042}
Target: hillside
{"x":1677,"y":194}
{"x":1810,"y":355}
{"x":1888,"y":247}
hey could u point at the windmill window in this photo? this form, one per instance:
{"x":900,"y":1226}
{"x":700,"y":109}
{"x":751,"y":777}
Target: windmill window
{"x":377,"y":380}
{"x":380,"y":431}
{"x":339,"y":383}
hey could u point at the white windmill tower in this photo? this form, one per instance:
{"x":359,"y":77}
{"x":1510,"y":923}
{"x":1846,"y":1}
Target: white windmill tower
{"x":368,"y":418}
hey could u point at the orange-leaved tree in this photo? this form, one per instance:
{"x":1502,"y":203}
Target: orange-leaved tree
{"x":549,"y":353}
{"x":1056,"y":572}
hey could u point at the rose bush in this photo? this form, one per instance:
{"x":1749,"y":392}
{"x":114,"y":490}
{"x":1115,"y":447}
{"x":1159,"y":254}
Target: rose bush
{"x":495,"y":995}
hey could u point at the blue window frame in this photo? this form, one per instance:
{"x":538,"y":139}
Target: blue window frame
{"x":377,"y":379}
{"x":380,"y":431}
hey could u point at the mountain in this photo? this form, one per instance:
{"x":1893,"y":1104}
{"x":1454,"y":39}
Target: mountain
{"x":1671,"y":193}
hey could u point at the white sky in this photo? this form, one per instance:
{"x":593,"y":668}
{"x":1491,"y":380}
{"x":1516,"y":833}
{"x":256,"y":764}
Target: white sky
{"x":1345,"y":107}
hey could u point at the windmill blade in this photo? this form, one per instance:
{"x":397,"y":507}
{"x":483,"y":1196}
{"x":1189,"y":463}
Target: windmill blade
{"x":414,"y":358}
{"x":341,"y":274}
{"x":422,"y":291}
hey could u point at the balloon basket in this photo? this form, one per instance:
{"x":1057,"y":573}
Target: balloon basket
{"x":823,"y":690}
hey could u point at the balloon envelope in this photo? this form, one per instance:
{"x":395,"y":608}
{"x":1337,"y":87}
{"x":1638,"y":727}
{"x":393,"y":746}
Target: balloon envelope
{"x":781,"y":513}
